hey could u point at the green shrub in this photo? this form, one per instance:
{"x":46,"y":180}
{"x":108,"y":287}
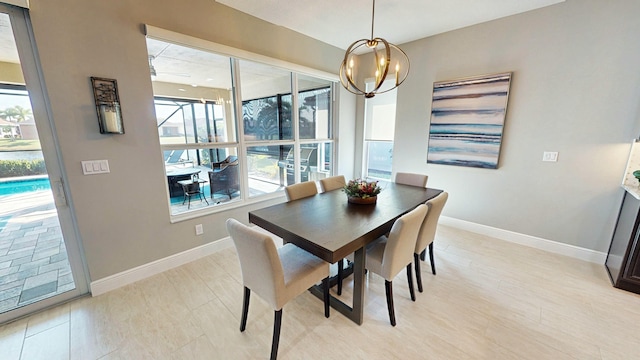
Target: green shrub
{"x":12,"y":168}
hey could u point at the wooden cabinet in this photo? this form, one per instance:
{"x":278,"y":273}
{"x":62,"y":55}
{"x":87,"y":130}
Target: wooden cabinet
{"x":622,"y":262}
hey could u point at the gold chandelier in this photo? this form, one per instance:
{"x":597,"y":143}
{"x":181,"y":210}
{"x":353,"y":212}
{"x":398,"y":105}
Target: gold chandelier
{"x":355,"y":76}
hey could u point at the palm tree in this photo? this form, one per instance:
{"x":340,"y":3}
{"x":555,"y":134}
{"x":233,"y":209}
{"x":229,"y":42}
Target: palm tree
{"x":16,"y":113}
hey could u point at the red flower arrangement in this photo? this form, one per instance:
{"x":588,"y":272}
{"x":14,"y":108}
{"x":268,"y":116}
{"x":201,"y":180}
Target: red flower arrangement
{"x":363,"y":189}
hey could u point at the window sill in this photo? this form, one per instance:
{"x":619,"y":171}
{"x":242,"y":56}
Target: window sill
{"x":226,"y":207}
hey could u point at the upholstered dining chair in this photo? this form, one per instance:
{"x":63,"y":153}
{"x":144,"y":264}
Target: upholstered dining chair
{"x":427,"y":234}
{"x":387,"y":256}
{"x":412,"y":179}
{"x":277,"y":275}
{"x":332,"y":183}
{"x":301,"y":190}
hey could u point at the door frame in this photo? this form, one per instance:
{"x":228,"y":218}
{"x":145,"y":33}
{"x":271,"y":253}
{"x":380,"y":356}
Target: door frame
{"x":32,"y":73}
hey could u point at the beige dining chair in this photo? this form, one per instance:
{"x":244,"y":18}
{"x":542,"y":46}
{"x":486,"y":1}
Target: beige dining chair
{"x":427,"y":234}
{"x":301,"y":190}
{"x":277,"y":275}
{"x":387,"y":256}
{"x":332,"y":183}
{"x":412,"y":179}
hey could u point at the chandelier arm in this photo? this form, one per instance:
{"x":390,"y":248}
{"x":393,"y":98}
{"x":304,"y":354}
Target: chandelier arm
{"x":349,"y":82}
{"x":383,"y":69}
{"x":408,"y":64}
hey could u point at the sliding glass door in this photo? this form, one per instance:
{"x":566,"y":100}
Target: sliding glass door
{"x":40,"y":261}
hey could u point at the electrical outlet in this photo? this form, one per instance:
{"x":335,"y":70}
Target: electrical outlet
{"x":550,"y":156}
{"x":199,"y":229}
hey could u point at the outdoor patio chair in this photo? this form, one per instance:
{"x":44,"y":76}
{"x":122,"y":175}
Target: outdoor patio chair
{"x":225,"y":178}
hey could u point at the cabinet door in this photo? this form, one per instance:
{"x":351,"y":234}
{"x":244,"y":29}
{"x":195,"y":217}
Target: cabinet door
{"x":623,"y":235}
{"x":632,"y":268}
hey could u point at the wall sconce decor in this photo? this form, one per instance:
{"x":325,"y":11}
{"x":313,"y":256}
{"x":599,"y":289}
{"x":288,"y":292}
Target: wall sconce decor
{"x":105,"y":93}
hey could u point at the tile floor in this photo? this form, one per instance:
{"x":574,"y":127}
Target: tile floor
{"x":33,"y":259}
{"x":490,"y":300}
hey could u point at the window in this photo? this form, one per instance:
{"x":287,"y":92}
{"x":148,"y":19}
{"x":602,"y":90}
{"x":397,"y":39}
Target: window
{"x":196,"y":100}
{"x":379,"y":127}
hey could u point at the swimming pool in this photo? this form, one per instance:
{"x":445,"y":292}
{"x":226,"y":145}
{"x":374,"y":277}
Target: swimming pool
{"x":13,"y":187}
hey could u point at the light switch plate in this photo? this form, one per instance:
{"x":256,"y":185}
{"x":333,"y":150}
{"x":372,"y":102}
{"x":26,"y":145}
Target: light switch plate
{"x":94,"y":167}
{"x":550,"y":156}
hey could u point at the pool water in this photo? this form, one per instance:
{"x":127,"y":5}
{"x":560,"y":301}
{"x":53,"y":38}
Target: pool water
{"x":20,"y":186}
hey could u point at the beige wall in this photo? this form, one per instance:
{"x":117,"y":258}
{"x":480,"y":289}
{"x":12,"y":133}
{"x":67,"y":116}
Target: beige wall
{"x":123,"y":216}
{"x":575,"y":89}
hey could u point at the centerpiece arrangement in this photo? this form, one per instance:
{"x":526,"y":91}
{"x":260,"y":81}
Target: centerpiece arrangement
{"x":362,"y":192}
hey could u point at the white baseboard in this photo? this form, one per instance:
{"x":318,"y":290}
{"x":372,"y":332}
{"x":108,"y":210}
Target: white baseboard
{"x":528,"y":240}
{"x":130,"y":276}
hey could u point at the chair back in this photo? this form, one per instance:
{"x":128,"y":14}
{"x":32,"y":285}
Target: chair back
{"x":301,"y":190}
{"x":225,"y":179}
{"x":261,"y":267}
{"x":428,"y":229}
{"x":398,"y":251}
{"x":332,"y":183}
{"x":412,"y":179}
{"x":230,"y":160}
{"x":192,"y":188}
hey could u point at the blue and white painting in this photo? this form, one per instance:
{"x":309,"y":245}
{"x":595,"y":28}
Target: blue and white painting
{"x":467,"y":118}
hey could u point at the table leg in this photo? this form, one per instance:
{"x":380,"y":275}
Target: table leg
{"x":356,"y":312}
{"x":358,"y":286}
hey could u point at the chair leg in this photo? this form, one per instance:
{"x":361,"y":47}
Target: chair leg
{"x":416,"y":262}
{"x":433,"y":265}
{"x":203,"y":198}
{"x":410,"y":279}
{"x":340,"y":275}
{"x":423,"y":255}
{"x":245,"y":309}
{"x":277,"y":324}
{"x":389,"y":290}
{"x":325,"y":288}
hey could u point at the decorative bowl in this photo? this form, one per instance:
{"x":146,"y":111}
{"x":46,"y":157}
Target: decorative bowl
{"x":364,"y":201}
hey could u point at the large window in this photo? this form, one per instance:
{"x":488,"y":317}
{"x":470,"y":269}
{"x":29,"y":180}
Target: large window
{"x":379,"y":127}
{"x":285,"y":122}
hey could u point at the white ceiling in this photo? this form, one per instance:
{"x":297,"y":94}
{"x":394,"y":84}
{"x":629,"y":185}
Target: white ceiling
{"x":341,"y":22}
{"x":336,"y":22}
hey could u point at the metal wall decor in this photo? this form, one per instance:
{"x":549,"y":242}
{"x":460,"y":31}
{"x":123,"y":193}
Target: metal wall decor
{"x":105,"y":93}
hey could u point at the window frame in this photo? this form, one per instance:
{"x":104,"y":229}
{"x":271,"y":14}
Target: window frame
{"x":240,"y":143}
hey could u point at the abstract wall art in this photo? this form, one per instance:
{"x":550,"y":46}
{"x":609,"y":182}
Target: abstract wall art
{"x":467,"y":119}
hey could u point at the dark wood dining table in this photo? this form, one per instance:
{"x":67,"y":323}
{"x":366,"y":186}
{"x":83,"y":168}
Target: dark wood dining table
{"x":329,"y":227}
